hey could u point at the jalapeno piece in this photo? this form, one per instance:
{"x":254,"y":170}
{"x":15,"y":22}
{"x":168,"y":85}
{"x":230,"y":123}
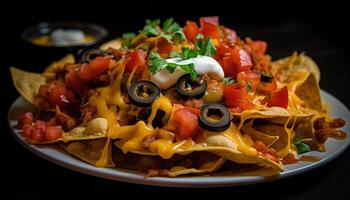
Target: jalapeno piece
{"x":143,"y":93}
{"x":214,"y":117}
{"x":187,"y":87}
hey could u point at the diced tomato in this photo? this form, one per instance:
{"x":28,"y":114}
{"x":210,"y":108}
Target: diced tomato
{"x":95,"y":68}
{"x":260,"y":146}
{"x":60,"y":96}
{"x":40,"y":125}
{"x":191,"y":30}
{"x":73,"y":81}
{"x":235,"y":61}
{"x":38,"y":136}
{"x":236,"y":96}
{"x":223,"y":50}
{"x":289,"y":159}
{"x":210,"y":26}
{"x":251,"y":78}
{"x":136,"y":59}
{"x":53,"y":132}
{"x":27,"y":131}
{"x":26,"y":118}
{"x":164,"y":47}
{"x":228,"y":66}
{"x":279,"y":98}
{"x":230,"y":35}
{"x":43,"y":91}
{"x":258,"y":46}
{"x":186,"y":123}
{"x":242,"y":60}
{"x":266,"y":87}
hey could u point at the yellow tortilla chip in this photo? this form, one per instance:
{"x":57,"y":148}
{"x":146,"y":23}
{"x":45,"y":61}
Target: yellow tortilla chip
{"x":27,"y":83}
{"x":289,"y":67}
{"x":89,"y":151}
{"x":115,"y":44}
{"x":223,"y":145}
{"x":267,"y":139}
{"x":274,"y":130}
{"x":309,"y":92}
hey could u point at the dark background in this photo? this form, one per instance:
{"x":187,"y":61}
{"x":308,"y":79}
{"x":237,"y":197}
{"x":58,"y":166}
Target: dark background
{"x":319,"y":29}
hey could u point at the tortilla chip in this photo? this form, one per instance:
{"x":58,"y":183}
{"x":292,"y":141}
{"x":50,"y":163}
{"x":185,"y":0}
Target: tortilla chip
{"x":89,"y":151}
{"x":95,"y":128}
{"x":27,"y":83}
{"x":309,"y":92}
{"x":60,"y":64}
{"x":292,"y":64}
{"x":221,"y":145}
{"x":268,"y":140}
{"x":274,"y":130}
{"x":115,"y":44}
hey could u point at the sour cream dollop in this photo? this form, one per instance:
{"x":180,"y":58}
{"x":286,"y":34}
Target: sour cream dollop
{"x":62,"y":37}
{"x":202,"y":65}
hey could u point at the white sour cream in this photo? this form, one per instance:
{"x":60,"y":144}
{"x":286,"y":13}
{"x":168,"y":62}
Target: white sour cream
{"x":62,"y":37}
{"x":202,"y":65}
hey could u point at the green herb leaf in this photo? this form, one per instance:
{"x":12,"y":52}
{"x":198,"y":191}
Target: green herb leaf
{"x":199,"y":36}
{"x":175,"y":54}
{"x":156,"y":63}
{"x":169,"y":26}
{"x":229,"y":80}
{"x":152,"y":27}
{"x":179,"y":35}
{"x":168,"y":37}
{"x":144,"y":47}
{"x":128,"y":35}
{"x":301,"y":146}
{"x":207,"y":48}
{"x":188,"y":53}
{"x":189,"y":68}
{"x":249,"y":87}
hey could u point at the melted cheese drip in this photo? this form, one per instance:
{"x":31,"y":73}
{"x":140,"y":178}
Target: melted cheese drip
{"x":234,"y":133}
{"x":132,"y":136}
{"x":289,"y":130}
{"x":131,"y":76}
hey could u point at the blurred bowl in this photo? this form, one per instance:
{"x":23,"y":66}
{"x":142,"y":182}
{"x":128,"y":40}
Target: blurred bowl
{"x":42,"y":55}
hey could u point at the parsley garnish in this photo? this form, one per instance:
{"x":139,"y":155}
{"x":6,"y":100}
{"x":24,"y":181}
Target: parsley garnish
{"x":152,"y":27}
{"x":301,"y":146}
{"x":229,"y":80}
{"x":174,"y":54}
{"x":144,"y":47}
{"x":206,"y":48}
{"x":128,"y":35}
{"x":188,"y":53}
{"x":171,"y":30}
{"x":157,"y":63}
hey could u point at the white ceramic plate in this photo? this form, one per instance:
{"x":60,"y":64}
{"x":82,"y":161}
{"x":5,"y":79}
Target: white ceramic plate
{"x":58,"y":156}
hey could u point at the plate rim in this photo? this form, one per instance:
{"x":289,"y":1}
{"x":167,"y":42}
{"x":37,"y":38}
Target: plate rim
{"x":121,"y":175}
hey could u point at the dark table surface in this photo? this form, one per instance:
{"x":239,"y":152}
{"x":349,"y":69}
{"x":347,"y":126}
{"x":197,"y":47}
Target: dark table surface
{"x":28,"y":176}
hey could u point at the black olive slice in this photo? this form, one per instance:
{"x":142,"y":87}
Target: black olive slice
{"x":87,"y":56}
{"x":266,"y":77}
{"x":143,"y":93}
{"x":187,"y":87}
{"x":214,"y":117}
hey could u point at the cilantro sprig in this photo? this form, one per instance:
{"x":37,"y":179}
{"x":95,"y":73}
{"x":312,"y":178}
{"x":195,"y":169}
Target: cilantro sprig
{"x":301,"y":146}
{"x":157,"y":63}
{"x":170,"y":30}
